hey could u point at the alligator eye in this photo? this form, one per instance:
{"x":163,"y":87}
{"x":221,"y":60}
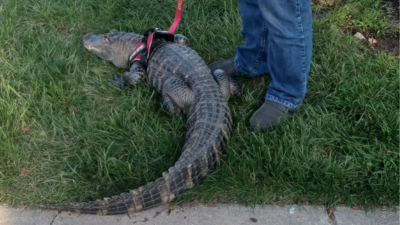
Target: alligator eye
{"x":106,"y":38}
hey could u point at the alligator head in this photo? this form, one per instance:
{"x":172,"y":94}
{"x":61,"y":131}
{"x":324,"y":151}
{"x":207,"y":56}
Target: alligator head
{"x":114,"y":46}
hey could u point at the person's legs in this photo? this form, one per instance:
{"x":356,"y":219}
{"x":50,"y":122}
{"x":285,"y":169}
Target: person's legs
{"x":251,"y":58}
{"x":289,"y":52}
{"x":289,"y":49}
{"x":278,"y":41}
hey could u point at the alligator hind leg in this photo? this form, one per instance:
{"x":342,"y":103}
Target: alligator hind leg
{"x":129,"y":78}
{"x":227,"y":84}
{"x":182,"y":40}
{"x":177,"y":96}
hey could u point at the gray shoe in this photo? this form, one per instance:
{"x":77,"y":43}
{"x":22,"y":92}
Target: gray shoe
{"x":228,"y":66}
{"x":267,"y":117}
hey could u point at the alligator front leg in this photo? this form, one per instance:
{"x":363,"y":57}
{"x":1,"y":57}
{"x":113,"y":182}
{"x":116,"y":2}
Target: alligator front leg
{"x":177,"y":96}
{"x":227,"y":84}
{"x":182,"y":40}
{"x":129,"y":78}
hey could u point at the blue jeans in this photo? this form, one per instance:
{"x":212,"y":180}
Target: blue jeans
{"x":278,"y":41}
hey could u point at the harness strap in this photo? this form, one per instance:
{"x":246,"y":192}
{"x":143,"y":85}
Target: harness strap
{"x":141,"y":52}
{"x":138,"y":48}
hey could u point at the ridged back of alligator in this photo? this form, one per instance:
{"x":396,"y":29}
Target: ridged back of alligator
{"x":210,"y":113}
{"x":172,"y":59}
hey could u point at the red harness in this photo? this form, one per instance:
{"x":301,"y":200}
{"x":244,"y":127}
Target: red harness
{"x":141,"y":52}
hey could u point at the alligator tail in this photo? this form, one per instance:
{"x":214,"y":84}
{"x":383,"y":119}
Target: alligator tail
{"x":164,"y":189}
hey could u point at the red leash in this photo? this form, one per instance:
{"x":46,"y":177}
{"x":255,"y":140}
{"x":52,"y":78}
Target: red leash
{"x":141,"y":52}
{"x":178,"y":16}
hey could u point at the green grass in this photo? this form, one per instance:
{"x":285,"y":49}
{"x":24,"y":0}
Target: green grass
{"x":356,"y":15}
{"x":66,"y":134}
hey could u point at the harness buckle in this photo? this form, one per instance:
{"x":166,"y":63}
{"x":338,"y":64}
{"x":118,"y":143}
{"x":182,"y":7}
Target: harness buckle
{"x":143,"y":49}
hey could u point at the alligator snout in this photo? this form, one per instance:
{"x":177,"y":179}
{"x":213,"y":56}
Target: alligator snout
{"x":86,"y":36}
{"x":91,"y":41}
{"x":87,"y":39}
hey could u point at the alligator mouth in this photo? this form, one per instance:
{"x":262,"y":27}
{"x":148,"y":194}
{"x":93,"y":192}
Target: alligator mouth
{"x":86,"y":42}
{"x":88,"y":47}
{"x":91,"y":48}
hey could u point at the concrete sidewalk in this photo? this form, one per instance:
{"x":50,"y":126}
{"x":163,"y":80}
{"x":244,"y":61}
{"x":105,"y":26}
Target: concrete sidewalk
{"x":199,"y":214}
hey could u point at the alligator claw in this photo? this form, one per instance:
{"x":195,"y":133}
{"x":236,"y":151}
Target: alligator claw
{"x":117,"y":81}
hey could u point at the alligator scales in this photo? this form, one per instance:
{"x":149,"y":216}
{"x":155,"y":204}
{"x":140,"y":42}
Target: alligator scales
{"x":187,"y":86}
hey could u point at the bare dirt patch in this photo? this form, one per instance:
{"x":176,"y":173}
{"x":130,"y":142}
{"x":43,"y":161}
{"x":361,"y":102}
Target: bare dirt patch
{"x":393,"y":7}
{"x":388,"y":42}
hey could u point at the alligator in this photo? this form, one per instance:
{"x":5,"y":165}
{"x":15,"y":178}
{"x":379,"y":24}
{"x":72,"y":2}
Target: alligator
{"x":187,"y":87}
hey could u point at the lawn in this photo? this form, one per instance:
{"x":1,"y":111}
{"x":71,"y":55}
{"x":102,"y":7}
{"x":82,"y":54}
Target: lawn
{"x":66,"y":134}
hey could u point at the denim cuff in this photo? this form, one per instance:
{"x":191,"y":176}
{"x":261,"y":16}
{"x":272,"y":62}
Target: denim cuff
{"x":240,"y":69}
{"x":280,"y":101}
